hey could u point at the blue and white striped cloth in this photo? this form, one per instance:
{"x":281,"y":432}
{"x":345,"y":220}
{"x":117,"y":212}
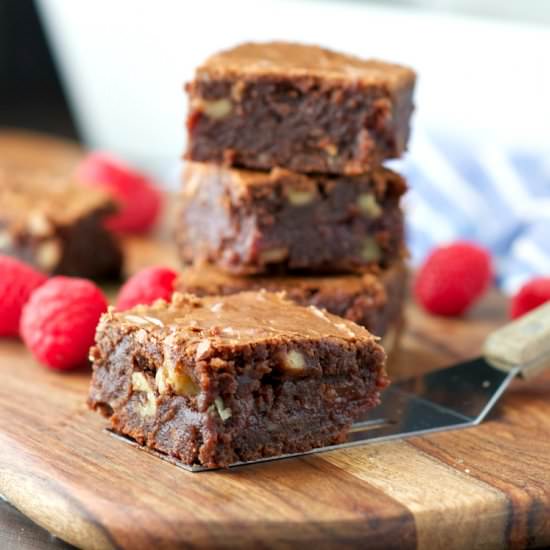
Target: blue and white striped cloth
{"x":483,"y":193}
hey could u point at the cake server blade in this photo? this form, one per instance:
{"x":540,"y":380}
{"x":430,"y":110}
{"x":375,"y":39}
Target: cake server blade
{"x":451,"y":398}
{"x":455,"y":397}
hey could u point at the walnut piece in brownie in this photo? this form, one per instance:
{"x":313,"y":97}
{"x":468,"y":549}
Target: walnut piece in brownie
{"x":57,"y":225}
{"x":304,"y":108}
{"x":257,"y":222}
{"x":219,"y":380}
{"x":373,"y":301}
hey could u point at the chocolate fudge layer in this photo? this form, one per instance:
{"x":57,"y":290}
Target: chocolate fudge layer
{"x":375,"y":302}
{"x":56,"y":225}
{"x":300,"y":107}
{"x":218,"y":380}
{"x":257,"y":222}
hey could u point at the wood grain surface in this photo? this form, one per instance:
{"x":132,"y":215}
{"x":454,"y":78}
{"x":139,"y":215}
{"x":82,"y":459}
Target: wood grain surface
{"x":484,"y":487}
{"x":26,"y":148}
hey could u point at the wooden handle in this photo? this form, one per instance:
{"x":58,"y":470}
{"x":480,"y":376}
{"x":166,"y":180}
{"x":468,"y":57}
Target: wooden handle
{"x":523,"y":343}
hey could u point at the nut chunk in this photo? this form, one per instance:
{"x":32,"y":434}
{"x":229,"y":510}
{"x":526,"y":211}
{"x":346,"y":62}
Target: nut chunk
{"x":258,"y":222}
{"x":301,"y":107}
{"x":219,"y":380}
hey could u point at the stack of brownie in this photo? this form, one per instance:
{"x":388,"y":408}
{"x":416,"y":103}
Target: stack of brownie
{"x":283,"y":192}
{"x":285,"y":189}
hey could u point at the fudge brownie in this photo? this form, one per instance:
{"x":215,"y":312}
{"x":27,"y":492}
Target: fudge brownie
{"x":256,"y":222}
{"x":375,"y":302}
{"x":300,"y":107}
{"x":219,"y":380}
{"x":56,"y":225}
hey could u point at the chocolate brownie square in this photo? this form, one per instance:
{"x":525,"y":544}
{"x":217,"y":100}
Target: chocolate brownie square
{"x":259,"y":222}
{"x":57,"y":225}
{"x":303,"y":108}
{"x":373,"y":301}
{"x":218,"y":380}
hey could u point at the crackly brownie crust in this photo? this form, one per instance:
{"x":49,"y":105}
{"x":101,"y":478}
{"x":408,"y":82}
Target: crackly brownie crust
{"x":300,"y":107}
{"x":258,"y":222}
{"x":56,"y":225}
{"x":218,"y":380}
{"x":373,"y":301}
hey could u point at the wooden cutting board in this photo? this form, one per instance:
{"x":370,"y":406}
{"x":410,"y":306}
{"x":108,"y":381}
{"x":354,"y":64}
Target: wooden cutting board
{"x":485,"y":487}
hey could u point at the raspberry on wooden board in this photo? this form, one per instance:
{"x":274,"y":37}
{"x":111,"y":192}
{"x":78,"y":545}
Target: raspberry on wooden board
{"x":58,"y":323}
{"x":452,"y":278}
{"x":17,"y":282}
{"x":138,"y":200}
{"x":145,"y":287}
{"x":532,"y":294}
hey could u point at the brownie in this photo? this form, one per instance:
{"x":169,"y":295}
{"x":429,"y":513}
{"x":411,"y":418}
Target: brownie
{"x":259,"y":222}
{"x":300,"y":107}
{"x":217,"y":380}
{"x":375,"y":302}
{"x":57,"y":225}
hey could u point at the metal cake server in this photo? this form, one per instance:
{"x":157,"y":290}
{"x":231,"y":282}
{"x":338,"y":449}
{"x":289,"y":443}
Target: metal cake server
{"x":455,"y":397}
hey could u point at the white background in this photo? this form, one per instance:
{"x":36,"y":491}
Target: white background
{"x":124,"y":63}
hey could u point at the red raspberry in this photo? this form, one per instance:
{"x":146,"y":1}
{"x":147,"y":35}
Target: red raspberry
{"x":531,"y":295}
{"x":17,"y":281}
{"x":452,"y":278}
{"x":145,"y":287}
{"x":59,"y":321}
{"x":138,"y":199}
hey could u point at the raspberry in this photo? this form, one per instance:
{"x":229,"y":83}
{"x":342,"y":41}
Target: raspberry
{"x":452,"y":278}
{"x":138,"y":200}
{"x":145,"y":287}
{"x":59,"y":321}
{"x":17,"y":281}
{"x":531,"y":295}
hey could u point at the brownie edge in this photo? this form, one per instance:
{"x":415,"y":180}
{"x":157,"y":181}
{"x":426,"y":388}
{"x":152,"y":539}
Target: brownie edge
{"x":57,"y":225}
{"x":249,"y":222}
{"x":220,"y":380}
{"x":300,"y":107}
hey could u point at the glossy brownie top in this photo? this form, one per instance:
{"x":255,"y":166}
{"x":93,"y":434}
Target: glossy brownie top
{"x":246,"y":318}
{"x":284,"y":59}
{"x":32,"y":196}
